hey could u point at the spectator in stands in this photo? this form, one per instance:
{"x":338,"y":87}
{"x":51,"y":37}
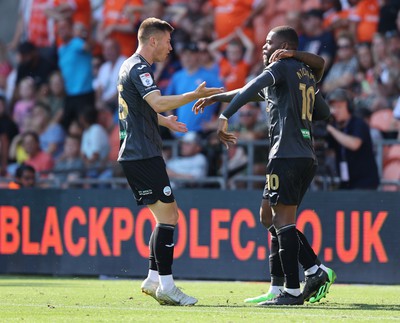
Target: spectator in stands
{"x":34,"y":26}
{"x":315,"y":38}
{"x":195,"y":13}
{"x":25,"y":101}
{"x":8,"y":130}
{"x":207,"y":60}
{"x":364,"y":18}
{"x":51,"y":135}
{"x":387,"y":15}
{"x":25,"y":177}
{"x":78,"y":10}
{"x":230,"y":15}
{"x":32,"y":63}
{"x":235,"y":65}
{"x":188,"y":79}
{"x":349,"y":137}
{"x":250,"y":127}
{"x":119,"y":23}
{"x":393,"y":42}
{"x":5,"y":67}
{"x":41,"y":161}
{"x":55,"y":96}
{"x":343,"y":71}
{"x":70,"y":165}
{"x":95,"y":145}
{"x":365,"y":76}
{"x":387,"y":65}
{"x":75,"y":129}
{"x":333,"y":16}
{"x":105,"y":84}
{"x":75,"y":62}
{"x":160,"y":9}
{"x":191,"y":164}
{"x":376,"y":135}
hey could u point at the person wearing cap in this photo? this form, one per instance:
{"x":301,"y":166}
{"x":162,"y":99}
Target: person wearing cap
{"x":350,"y":139}
{"x":289,"y":88}
{"x":140,"y":106}
{"x":315,"y":39}
{"x":33,"y":64}
{"x":188,"y":79}
{"x":191,"y":164}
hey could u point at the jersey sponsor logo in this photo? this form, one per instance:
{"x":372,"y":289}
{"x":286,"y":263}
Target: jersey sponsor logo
{"x":305,"y":133}
{"x":141,"y":67}
{"x":146,"y":79}
{"x":167,"y":191}
{"x":145,"y":192}
{"x":122,"y":134}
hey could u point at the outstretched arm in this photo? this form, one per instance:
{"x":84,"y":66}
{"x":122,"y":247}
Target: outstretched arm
{"x":316,"y":62}
{"x":163,"y":103}
{"x":245,"y":95}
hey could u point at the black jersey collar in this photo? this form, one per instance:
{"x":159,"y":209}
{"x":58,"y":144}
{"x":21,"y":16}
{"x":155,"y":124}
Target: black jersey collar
{"x":143,"y":59}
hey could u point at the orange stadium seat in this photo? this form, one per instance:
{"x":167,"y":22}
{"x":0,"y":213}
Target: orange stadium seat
{"x":383,"y":120}
{"x":391,"y":172}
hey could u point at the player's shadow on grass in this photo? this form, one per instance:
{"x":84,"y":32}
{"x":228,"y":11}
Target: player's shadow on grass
{"x":330,"y":306}
{"x":360,"y":306}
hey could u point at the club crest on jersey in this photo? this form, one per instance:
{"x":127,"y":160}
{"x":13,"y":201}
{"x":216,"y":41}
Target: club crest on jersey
{"x":167,"y":191}
{"x":146,"y":79}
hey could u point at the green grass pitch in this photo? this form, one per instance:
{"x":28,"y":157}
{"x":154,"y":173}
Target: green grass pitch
{"x":49,"y":299}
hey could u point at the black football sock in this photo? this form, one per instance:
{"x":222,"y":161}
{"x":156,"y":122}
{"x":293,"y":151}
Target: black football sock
{"x":289,"y":254}
{"x":307,"y":256}
{"x":164,"y":247}
{"x":152,"y":256}
{"x":275,"y":267}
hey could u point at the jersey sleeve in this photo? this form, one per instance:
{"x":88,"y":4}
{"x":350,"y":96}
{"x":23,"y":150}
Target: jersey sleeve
{"x":249,"y":92}
{"x":321,"y":108}
{"x":277,"y":70}
{"x":142,"y":77}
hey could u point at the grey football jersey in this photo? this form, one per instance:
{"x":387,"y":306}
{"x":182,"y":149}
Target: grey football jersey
{"x":139,"y":131}
{"x":290,"y":103}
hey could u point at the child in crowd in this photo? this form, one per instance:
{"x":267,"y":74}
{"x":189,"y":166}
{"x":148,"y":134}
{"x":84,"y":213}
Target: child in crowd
{"x":25,"y":102}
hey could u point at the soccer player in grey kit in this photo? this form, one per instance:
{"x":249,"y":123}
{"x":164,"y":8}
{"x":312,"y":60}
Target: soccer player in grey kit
{"x":140,"y":104}
{"x":289,"y":88}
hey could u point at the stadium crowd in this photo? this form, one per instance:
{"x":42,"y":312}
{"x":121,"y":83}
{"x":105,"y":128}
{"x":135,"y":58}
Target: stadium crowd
{"x":58,"y":76}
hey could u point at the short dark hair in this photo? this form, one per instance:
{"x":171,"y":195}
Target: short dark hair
{"x":287,"y":34}
{"x":21,"y":169}
{"x":151,"y":26}
{"x":26,"y":48}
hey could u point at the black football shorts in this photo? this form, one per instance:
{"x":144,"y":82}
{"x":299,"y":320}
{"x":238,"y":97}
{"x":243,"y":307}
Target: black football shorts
{"x":148,"y":180}
{"x":288,"y":180}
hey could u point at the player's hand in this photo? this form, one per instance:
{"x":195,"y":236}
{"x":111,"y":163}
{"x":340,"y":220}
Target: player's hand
{"x":281,"y":54}
{"x":203,"y":91}
{"x":202,"y":103}
{"x":173,"y":124}
{"x":224,"y":136}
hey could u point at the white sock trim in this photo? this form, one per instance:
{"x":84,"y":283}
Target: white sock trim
{"x":311,"y":271}
{"x":293,"y":291}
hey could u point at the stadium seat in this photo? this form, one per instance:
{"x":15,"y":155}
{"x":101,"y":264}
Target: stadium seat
{"x":383,"y":120}
{"x":393,"y":153}
{"x":391,"y":172}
